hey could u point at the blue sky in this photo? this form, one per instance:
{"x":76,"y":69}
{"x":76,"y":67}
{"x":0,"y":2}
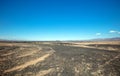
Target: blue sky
{"x":59,"y":19}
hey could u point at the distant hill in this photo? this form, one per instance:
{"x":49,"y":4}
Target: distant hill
{"x":106,"y":39}
{"x":97,"y":39}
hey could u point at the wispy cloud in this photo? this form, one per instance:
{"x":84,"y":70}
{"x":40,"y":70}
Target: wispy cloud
{"x":118,"y":32}
{"x":9,"y":38}
{"x":98,"y":34}
{"x":113,"y":31}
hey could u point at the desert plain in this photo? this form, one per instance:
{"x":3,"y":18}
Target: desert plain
{"x":60,"y":58}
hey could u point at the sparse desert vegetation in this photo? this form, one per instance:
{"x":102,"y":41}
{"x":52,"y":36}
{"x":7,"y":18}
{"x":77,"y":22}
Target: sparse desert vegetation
{"x":59,"y":59}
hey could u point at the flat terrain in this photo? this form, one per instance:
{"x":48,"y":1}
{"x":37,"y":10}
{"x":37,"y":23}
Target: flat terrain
{"x":59,"y":59}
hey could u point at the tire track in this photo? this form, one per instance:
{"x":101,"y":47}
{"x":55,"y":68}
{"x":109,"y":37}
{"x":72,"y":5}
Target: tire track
{"x":29,"y":63}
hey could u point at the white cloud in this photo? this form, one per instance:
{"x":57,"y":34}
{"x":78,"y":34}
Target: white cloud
{"x":98,"y":34}
{"x":112,"y":31}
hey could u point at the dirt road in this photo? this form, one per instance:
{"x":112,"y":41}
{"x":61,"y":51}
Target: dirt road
{"x":58,"y":60}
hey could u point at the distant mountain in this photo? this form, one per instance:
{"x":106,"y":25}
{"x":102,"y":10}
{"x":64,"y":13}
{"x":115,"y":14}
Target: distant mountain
{"x":97,"y":39}
{"x":106,"y":39}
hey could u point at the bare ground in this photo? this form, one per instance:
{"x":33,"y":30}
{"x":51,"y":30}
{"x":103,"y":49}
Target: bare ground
{"x":23,"y":59}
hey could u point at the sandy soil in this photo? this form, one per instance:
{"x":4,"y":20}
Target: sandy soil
{"x":58,"y":60}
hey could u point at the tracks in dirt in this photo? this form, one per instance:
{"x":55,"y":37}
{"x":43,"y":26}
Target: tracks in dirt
{"x":22,"y":58}
{"x":39,"y":61}
{"x":89,"y":60}
{"x":27,"y":64}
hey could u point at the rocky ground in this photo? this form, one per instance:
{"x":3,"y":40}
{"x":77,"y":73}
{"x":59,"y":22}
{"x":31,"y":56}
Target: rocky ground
{"x":57,"y":60}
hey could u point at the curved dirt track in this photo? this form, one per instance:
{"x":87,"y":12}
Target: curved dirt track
{"x":57,"y":60}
